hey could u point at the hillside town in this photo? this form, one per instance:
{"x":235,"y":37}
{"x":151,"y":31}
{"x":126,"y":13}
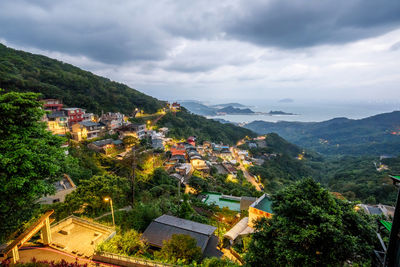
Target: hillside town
{"x":221,"y":199}
{"x":113,"y":135}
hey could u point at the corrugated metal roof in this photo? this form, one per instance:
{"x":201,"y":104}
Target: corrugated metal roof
{"x":157,"y":232}
{"x":186,"y":224}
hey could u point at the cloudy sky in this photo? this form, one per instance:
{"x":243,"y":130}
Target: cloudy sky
{"x":271,"y":49}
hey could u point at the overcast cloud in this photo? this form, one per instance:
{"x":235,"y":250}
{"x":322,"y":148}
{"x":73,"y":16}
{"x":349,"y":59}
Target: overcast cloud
{"x":314,"y":49}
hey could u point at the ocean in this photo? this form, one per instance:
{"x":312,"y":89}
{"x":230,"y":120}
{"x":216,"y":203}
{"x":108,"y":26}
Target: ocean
{"x":311,"y":111}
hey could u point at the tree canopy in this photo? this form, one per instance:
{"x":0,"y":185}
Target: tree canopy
{"x":311,"y":227}
{"x":31,"y":158}
{"x":181,"y":248}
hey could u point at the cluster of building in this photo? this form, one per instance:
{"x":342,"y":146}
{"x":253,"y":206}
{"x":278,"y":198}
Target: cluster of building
{"x":187,"y":156}
{"x":62,"y":120}
{"x":85,"y":126}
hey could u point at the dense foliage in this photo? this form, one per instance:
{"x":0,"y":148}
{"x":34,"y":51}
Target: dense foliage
{"x":311,"y":227}
{"x":184,"y":124}
{"x":128,"y":243}
{"x":180,"y":248}
{"x":89,"y":195}
{"x":357,"y":178}
{"x":374,"y":135}
{"x":281,"y":165}
{"x":22,"y":71}
{"x":31,"y":159}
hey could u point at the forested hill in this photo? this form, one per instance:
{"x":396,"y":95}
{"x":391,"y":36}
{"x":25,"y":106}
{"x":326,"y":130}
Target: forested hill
{"x":376,"y":135}
{"x":22,"y":71}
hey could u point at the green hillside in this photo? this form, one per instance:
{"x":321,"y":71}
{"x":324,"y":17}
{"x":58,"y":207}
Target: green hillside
{"x":184,"y":124}
{"x":26,"y":72}
{"x":22,"y":71}
{"x":374,"y":135}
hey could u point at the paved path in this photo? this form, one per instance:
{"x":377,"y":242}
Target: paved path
{"x":127,"y":208}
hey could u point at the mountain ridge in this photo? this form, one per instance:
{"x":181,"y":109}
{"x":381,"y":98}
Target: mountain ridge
{"x":378,"y":134}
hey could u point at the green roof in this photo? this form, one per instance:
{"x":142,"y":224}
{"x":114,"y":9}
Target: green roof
{"x":221,"y":202}
{"x":388,"y":225}
{"x":265,"y":205}
{"x":397,"y":177}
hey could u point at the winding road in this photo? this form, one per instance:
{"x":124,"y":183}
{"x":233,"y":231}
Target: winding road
{"x":246,"y":174}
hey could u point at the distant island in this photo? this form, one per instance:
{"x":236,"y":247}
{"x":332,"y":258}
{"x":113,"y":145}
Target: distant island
{"x":286,"y":100}
{"x":214,"y":110}
{"x":279,"y":112}
{"x":232,"y":110}
{"x":235,"y":105}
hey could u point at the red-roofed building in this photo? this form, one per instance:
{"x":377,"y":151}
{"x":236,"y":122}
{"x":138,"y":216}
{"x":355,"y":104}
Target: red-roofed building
{"x":178,"y":150}
{"x":52,"y":104}
{"x":192,"y":140}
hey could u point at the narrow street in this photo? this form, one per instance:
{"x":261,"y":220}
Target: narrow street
{"x":246,"y":174}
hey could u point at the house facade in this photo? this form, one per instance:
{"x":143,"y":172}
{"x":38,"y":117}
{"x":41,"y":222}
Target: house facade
{"x":75,"y":115}
{"x":112,"y":120}
{"x":87,"y":130}
{"x":133,"y":129}
{"x":52,"y":104}
{"x":57,"y":122}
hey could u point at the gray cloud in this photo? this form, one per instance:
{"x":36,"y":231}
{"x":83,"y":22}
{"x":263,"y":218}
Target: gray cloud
{"x":116,"y":32}
{"x":236,"y":48}
{"x":110,"y":34}
{"x":298,"y":23}
{"x":395,"y":46}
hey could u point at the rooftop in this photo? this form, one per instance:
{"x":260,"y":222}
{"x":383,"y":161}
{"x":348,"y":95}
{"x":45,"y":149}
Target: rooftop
{"x":165,"y":226}
{"x":71,"y":108}
{"x":220,"y":201}
{"x":56,"y":114}
{"x":186,"y":224}
{"x":263,"y":203}
{"x":89,"y":123}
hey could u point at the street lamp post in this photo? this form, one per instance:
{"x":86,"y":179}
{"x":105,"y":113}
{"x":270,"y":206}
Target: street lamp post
{"x":219,"y":233}
{"x":112,"y":210}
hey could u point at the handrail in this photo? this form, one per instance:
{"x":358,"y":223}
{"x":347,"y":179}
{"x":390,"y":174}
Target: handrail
{"x":84,"y":221}
{"x":29,"y":232}
{"x":142,"y":261}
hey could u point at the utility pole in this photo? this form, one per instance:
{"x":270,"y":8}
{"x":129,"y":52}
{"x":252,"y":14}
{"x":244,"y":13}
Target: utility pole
{"x":133,"y":174}
{"x":179,"y":189}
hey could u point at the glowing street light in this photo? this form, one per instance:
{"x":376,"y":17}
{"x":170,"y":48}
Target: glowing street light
{"x":106,"y":199}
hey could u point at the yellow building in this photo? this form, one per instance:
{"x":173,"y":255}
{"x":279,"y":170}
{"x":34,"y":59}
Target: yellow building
{"x":259,"y":209}
{"x":57,"y":122}
{"x":87,"y":130}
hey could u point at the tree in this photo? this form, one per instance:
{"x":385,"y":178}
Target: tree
{"x":130,"y":140}
{"x":185,"y":209}
{"x":311,"y":227}
{"x":128,"y":243}
{"x":180,"y":247}
{"x":31,"y":158}
{"x":91,"y":193}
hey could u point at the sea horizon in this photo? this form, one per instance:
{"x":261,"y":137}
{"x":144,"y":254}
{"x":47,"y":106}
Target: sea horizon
{"x":309,"y":112}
